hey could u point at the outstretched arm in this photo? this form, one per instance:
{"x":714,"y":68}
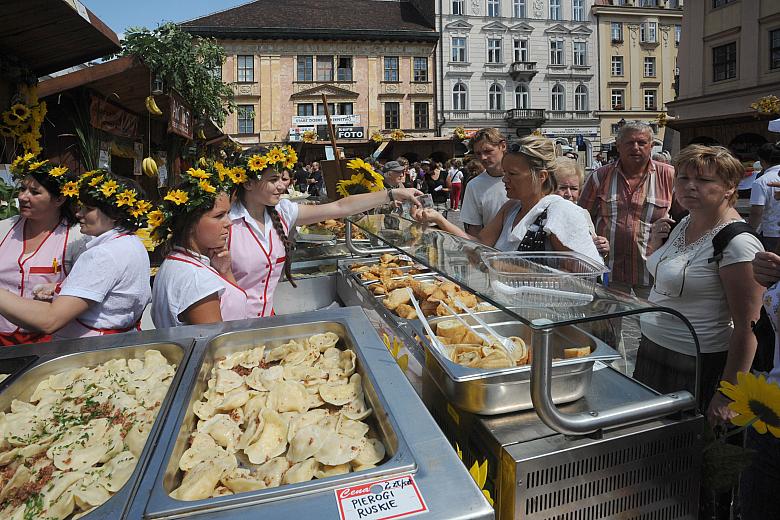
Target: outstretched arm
{"x":309,"y":214}
{"x":40,"y":316}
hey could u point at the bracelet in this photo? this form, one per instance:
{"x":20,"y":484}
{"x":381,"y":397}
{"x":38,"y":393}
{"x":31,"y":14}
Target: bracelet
{"x":390,"y":194}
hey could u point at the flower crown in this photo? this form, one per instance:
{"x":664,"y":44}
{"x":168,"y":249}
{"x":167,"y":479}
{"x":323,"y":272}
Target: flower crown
{"x":113,"y":192}
{"x":276,"y":158}
{"x":199,"y":187}
{"x":28,"y":164}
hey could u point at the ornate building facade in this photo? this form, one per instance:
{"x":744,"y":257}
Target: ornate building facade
{"x":520,"y":65}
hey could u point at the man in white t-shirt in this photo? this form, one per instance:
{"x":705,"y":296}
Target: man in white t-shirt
{"x":764,"y":208}
{"x":485,"y":193}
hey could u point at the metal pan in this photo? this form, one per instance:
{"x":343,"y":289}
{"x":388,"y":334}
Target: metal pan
{"x":398,"y":460}
{"x":497,"y":391}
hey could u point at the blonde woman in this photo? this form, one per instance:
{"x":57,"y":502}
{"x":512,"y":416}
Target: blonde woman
{"x":534,"y":218}
{"x":570,"y":177}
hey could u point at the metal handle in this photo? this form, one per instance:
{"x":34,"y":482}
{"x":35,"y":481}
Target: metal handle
{"x":362,"y":250}
{"x":582,"y":423}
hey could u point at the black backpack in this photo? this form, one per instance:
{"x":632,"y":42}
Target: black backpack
{"x":765,"y":334}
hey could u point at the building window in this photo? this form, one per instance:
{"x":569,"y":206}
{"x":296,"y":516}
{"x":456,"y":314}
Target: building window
{"x":556,"y":52}
{"x":457,"y":6}
{"x":555,"y":10}
{"x":673,"y":4}
{"x":496,"y":97}
{"x":649,"y":66}
{"x":494,"y":50}
{"x":521,"y":96}
{"x":651,"y":96}
{"x":392,"y":115}
{"x":344,"y":71}
{"x":518,"y":8}
{"x":720,"y":3}
{"x":345,"y":109}
{"x":325,"y":68}
{"x":459,"y":97}
{"x":305,"y":109}
{"x":520,"y":50}
{"x":391,"y":68}
{"x":581,"y":98}
{"x":578,"y":10}
{"x":614,"y":128}
{"x":216,"y":72}
{"x":321,"y":109}
{"x":677,"y":34}
{"x":494,"y":8}
{"x":558,"y":98}
{"x":617,"y":99}
{"x":647,"y":32}
{"x":305,"y":68}
{"x":246,"y":69}
{"x":580,"y":53}
{"x":617,"y":32}
{"x":246,"y":119}
{"x":724,"y":62}
{"x":617,"y":65}
{"x":421,"y":116}
{"x":458,"y":49}
{"x":647,"y":3}
{"x":774,"y":49}
{"x":420,"y":70}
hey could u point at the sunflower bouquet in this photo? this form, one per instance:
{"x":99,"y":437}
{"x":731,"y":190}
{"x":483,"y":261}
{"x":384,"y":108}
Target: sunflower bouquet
{"x":397,"y":135}
{"x":22,"y":121}
{"x":459,"y":133}
{"x":309,"y":136}
{"x":768,"y":105}
{"x":377,"y":137}
{"x":364,"y":180}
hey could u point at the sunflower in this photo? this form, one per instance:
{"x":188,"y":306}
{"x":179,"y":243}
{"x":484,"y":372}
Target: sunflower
{"x":37,"y":164}
{"x":275,"y":156}
{"x":237,"y":175}
{"x":70,"y":189}
{"x":178,"y":197}
{"x":197,"y":173}
{"x":353,"y":186}
{"x":5,"y":131}
{"x":257,"y":163}
{"x":756,"y":400}
{"x":109,"y":188}
{"x":20,"y":111}
{"x":359,"y":165}
{"x":126,"y":198}
{"x":145,"y":234}
{"x":155,"y":218}
{"x":205,"y":186}
{"x":222,"y":172}
{"x":57,"y":171}
{"x":10,"y":119}
{"x":141,"y":208}
{"x":94,"y":181}
{"x":90,"y":173}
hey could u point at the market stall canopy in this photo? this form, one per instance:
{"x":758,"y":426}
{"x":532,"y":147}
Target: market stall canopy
{"x":50,"y":35}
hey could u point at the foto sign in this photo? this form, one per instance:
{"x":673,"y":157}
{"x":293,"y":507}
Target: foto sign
{"x":350,"y":132}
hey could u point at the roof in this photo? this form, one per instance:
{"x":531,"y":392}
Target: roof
{"x":317,"y":19}
{"x":50,"y":35}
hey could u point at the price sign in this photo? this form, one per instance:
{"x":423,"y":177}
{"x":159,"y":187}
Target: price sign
{"x":385,"y":499}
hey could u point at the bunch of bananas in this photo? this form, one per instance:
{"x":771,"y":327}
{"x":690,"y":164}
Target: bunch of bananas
{"x":149,"y":167}
{"x":151,"y":106}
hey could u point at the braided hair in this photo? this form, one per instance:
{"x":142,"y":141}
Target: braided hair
{"x":288,"y":247}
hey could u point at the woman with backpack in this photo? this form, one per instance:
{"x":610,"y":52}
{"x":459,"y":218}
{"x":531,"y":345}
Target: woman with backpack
{"x":716,"y":293}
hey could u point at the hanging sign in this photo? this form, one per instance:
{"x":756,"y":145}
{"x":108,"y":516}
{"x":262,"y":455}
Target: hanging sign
{"x":350,"y":119}
{"x":112,"y":119}
{"x":396,"y":497}
{"x":180,"y":121}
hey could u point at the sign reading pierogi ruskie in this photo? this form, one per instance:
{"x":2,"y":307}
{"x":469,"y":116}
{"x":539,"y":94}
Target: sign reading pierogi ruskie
{"x":384,"y":499}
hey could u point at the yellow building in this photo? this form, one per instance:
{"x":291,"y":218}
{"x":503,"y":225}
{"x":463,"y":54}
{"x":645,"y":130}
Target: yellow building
{"x":729,"y":59}
{"x":638,"y":43}
{"x":373,"y":59}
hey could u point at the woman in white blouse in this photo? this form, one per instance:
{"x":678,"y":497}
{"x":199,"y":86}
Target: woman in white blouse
{"x":717,"y":295}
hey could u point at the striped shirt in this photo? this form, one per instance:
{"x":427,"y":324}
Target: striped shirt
{"x":625,"y":216}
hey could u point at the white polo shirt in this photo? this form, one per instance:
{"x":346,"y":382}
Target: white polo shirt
{"x":113,"y":273}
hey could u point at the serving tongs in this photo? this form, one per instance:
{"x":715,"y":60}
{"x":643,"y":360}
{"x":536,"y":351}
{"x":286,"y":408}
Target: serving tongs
{"x":438,"y":345}
{"x":503,"y":341}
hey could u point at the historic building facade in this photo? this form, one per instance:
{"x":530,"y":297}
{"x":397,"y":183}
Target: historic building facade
{"x":638,"y":43}
{"x":520,"y":65}
{"x":374,"y":60}
{"x":729,"y":59}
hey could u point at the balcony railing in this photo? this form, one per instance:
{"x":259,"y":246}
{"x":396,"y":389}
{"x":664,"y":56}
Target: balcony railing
{"x":465,"y":115}
{"x":525,"y":116}
{"x":569,"y":114}
{"x":523,"y":70}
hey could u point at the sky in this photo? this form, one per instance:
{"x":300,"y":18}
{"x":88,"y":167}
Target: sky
{"x":120,"y":15}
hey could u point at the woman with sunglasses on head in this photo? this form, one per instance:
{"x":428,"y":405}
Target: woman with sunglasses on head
{"x":717,"y":295}
{"x":195,"y":283}
{"x":534,"y":218}
{"x":107,"y":289}
{"x":39,"y":246}
{"x":261,"y":221}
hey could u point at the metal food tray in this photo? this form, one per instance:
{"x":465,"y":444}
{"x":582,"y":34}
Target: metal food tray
{"x":497,"y":391}
{"x":398,"y":460}
{"x":56,"y":357}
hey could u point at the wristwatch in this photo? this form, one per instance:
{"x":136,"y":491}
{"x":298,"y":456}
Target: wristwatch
{"x":390,"y":194}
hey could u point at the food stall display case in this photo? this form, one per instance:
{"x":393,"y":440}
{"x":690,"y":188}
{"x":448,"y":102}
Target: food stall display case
{"x":597,"y":444}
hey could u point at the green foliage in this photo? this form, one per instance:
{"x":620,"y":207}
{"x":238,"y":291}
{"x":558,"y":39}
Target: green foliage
{"x":186,"y":64}
{"x":7,"y":201}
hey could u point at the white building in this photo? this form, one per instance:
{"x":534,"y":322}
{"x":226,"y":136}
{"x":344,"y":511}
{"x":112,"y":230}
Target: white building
{"x":520,"y":65}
